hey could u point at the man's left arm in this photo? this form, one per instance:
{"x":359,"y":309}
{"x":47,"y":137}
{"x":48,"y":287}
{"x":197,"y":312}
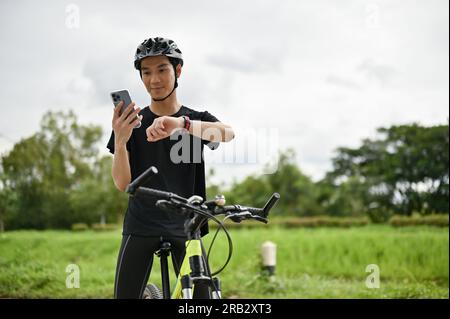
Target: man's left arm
{"x":164,"y":126}
{"x":211,"y":131}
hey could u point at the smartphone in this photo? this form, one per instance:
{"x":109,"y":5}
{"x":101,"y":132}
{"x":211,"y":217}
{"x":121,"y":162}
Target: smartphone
{"x":124,"y":96}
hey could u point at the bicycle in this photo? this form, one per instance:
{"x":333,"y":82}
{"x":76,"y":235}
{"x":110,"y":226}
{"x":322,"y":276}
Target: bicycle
{"x":194,"y":267}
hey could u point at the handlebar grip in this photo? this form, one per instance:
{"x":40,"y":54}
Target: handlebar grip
{"x":228,"y":208}
{"x":270,"y":203}
{"x":141,"y":179}
{"x":154,"y":193}
{"x":254,"y":210}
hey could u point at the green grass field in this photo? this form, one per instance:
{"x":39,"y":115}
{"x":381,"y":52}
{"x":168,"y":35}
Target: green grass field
{"x":312,"y":263}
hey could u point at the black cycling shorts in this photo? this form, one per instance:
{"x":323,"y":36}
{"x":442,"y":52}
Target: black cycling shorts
{"x":134,"y":265}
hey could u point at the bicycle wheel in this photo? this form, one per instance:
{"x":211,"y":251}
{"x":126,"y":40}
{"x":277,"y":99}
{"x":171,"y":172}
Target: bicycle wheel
{"x":152,"y":292}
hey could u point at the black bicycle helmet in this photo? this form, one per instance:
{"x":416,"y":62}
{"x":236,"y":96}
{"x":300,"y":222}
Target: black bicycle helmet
{"x":156,"y":47}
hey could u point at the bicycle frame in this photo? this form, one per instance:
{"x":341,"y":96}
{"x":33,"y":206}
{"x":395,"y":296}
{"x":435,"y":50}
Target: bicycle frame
{"x":192,"y":269}
{"x":187,"y":277}
{"x":193,"y":249}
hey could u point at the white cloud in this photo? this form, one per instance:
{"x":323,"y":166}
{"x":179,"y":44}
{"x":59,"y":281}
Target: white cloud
{"x":325,"y":73}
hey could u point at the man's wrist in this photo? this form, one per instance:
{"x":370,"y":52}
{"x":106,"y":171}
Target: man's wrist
{"x":185,"y":122}
{"x":181,"y":122}
{"x":119,"y":145}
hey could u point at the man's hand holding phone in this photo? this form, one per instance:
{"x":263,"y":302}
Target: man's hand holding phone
{"x":124,"y":123}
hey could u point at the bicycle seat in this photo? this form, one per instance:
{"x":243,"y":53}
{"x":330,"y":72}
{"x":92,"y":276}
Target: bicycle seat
{"x":164,"y":248}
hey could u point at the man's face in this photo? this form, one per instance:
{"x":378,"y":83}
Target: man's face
{"x":158,"y":76}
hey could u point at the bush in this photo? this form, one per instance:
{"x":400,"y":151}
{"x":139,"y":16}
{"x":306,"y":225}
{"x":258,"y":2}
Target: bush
{"x":104,"y":227}
{"x":294,"y":222}
{"x":439,"y":220}
{"x":323,"y":221}
{"x":80,"y":227}
{"x":379,"y":215}
{"x":232,"y":225}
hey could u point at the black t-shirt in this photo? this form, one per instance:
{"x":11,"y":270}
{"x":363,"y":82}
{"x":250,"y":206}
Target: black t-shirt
{"x":184,"y":175}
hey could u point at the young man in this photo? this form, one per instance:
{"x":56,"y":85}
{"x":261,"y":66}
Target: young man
{"x":167,"y":127}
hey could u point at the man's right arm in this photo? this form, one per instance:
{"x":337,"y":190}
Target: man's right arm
{"x":121,"y":172}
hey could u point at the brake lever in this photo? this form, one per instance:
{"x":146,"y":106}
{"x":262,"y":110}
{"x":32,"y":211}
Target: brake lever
{"x":238,"y":217}
{"x":164,"y":205}
{"x":170,"y":205}
{"x":261,"y":219}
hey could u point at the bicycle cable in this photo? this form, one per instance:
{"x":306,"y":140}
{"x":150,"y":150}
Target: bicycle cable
{"x":230,"y":242}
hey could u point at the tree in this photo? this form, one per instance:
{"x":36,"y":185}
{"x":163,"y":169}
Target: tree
{"x":96,"y":199}
{"x":42,"y":171}
{"x":7,"y":199}
{"x":345,"y":199}
{"x":298,"y":191}
{"x":404,"y":171}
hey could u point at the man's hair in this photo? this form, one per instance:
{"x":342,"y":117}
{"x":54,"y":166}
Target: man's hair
{"x":174,"y":62}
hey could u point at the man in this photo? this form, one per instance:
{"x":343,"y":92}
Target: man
{"x":167,"y":127}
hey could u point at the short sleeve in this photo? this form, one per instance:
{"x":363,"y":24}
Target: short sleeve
{"x":110,"y":144}
{"x":208,"y":117}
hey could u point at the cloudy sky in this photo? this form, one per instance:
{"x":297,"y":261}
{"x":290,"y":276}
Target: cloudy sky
{"x":309,"y":75}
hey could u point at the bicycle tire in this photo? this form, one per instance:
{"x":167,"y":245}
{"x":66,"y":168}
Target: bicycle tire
{"x":152,"y":291}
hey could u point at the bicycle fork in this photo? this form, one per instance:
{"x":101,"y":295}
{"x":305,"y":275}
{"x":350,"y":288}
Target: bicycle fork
{"x":193,"y":271}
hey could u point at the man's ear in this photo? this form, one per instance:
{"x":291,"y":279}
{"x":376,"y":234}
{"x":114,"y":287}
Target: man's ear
{"x":178,"y":70}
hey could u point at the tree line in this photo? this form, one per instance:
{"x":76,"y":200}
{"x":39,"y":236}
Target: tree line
{"x":56,"y":178}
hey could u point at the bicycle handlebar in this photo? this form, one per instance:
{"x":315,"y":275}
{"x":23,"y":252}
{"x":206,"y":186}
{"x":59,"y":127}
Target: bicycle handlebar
{"x":140,"y":180}
{"x":203,"y":210}
{"x":270,"y":203}
{"x":237,"y":212}
{"x":159,"y":194}
{"x":262,"y":212}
